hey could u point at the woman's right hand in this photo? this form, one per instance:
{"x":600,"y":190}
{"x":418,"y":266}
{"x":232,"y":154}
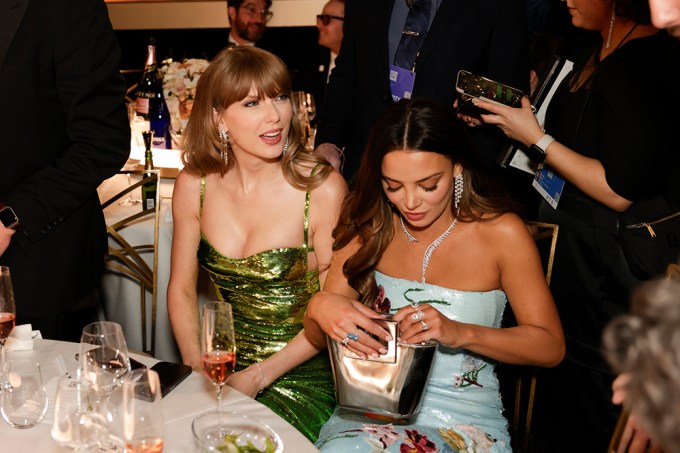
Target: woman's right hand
{"x":343,"y":319}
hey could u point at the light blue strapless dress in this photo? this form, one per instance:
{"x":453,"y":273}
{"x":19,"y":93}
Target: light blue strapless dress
{"x":461,"y":410}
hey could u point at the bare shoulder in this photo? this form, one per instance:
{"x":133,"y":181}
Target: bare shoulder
{"x":187,"y":188}
{"x":332,"y":190}
{"x":506,"y":229}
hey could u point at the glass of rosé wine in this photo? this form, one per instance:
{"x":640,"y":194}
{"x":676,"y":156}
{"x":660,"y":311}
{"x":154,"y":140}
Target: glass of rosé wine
{"x":218,"y":345}
{"x":7,"y":311}
{"x":142,"y":412}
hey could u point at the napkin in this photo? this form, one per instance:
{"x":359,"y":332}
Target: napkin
{"x":21,"y":338}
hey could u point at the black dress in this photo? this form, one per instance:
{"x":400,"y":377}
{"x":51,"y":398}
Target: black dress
{"x":626,"y":117}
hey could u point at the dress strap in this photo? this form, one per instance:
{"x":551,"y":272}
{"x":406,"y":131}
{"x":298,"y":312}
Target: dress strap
{"x":200,"y":209}
{"x":306,"y":223}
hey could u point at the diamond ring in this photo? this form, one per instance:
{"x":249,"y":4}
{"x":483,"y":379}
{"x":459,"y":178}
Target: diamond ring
{"x":344,"y":342}
{"x":425,"y":326}
{"x":417,"y":315}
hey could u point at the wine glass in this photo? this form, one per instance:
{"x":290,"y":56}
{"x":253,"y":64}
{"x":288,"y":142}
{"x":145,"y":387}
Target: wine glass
{"x":142,"y":414}
{"x":129,"y":166}
{"x":300,"y":105}
{"x":24,"y":401}
{"x":311,"y":106}
{"x":218,"y":345}
{"x":7,"y":313}
{"x":104,"y":358}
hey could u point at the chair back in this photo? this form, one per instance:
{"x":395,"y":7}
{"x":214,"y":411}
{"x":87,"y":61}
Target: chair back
{"x":545,"y":235}
{"x":129,"y":259}
{"x":673,"y":271}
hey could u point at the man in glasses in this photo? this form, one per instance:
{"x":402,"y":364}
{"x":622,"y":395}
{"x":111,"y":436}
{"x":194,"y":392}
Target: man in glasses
{"x":329,"y":23}
{"x":488,"y":38}
{"x":248,"y":20}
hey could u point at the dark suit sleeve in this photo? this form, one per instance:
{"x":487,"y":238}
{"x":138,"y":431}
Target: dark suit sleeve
{"x":90,"y":90}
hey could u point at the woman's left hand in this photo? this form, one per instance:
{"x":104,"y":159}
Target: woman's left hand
{"x":423,"y":323}
{"x":517,"y":123}
{"x":246,"y":381}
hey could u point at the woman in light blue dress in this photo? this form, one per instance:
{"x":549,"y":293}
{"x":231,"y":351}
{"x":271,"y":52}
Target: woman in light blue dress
{"x":423,"y":237}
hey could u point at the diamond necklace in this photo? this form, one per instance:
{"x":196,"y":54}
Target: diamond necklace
{"x":430,"y":248}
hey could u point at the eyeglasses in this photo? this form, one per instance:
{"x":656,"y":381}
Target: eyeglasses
{"x":252,"y":11}
{"x":326,"y":18}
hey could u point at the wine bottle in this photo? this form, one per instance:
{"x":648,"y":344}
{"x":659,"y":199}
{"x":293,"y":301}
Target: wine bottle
{"x":151,"y":102}
{"x":147,"y":86}
{"x":149,"y":188}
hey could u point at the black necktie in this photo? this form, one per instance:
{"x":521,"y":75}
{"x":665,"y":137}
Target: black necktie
{"x":414,"y":32}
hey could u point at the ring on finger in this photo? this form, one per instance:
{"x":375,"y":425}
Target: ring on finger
{"x":352,"y":336}
{"x":417,"y":315}
{"x":424,"y":324}
{"x":344,"y":341}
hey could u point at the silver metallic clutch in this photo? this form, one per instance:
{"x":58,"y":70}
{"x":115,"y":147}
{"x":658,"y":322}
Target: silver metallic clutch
{"x":391,"y":384}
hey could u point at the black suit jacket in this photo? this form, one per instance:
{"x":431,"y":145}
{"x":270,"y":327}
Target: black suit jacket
{"x":486,"y":37}
{"x":63,"y":130}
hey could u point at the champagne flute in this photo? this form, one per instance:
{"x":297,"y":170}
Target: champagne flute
{"x":142,"y":414}
{"x":218,"y":345}
{"x":7,"y":313}
{"x":300,"y":106}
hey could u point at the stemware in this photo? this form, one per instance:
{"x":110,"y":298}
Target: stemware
{"x":218,"y":345}
{"x":24,"y":401}
{"x":71,"y":426}
{"x":7,"y":312}
{"x":104,"y":358}
{"x":142,"y":414}
{"x":311,"y":106}
{"x":299,"y":99}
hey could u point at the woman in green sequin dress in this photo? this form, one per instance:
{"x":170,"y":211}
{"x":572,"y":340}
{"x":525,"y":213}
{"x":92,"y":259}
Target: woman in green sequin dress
{"x":256,"y":210}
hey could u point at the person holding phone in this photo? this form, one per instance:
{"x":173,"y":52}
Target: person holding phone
{"x":426,"y":238}
{"x":256,"y":210}
{"x":613,"y":141}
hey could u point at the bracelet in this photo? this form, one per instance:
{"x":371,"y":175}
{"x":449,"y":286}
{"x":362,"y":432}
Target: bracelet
{"x":262,"y":386}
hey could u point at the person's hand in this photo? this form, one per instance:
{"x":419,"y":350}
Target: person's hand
{"x":517,"y":123}
{"x":343,"y":320}
{"x":246,"y":381}
{"x":331,"y":153}
{"x":471,"y":121}
{"x":635,"y":438}
{"x":5,"y":237}
{"x":423,"y":323}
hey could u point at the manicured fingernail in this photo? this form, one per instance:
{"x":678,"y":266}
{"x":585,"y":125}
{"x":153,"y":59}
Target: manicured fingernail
{"x":383,"y":351}
{"x":374,"y":355}
{"x":388,"y":337}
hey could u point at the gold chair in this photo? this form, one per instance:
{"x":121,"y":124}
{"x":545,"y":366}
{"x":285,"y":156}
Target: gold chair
{"x":673,"y":271}
{"x":526,"y":376}
{"x":614,"y":443}
{"x":128,"y":259}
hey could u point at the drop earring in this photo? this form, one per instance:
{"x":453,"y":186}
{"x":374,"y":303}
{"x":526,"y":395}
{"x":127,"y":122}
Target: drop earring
{"x":611,"y":26}
{"x":457,"y":191}
{"x":224,"y":141}
{"x":285,"y":147}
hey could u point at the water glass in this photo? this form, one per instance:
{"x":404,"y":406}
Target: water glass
{"x":142,"y":412}
{"x":24,"y":400}
{"x":72,"y":427}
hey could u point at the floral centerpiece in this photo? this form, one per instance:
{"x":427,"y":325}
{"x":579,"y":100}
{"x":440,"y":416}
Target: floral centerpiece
{"x":179,"y":87}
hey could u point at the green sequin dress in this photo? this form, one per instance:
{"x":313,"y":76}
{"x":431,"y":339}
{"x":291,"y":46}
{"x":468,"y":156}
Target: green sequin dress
{"x":269,"y":292}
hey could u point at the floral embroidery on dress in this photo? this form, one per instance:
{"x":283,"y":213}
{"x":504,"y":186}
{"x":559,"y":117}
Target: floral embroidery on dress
{"x":385,"y":433}
{"x":417,"y":443}
{"x":480,"y":441}
{"x":382,"y":304}
{"x":470,"y":368}
{"x":420,"y":302}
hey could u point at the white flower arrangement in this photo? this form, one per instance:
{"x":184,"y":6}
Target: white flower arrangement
{"x":179,"y":87}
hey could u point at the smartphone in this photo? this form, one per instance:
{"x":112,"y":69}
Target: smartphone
{"x":170,"y":375}
{"x":473,"y":87}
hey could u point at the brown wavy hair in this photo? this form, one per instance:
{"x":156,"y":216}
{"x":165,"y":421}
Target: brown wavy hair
{"x":409,"y":125}
{"x":229,"y":79}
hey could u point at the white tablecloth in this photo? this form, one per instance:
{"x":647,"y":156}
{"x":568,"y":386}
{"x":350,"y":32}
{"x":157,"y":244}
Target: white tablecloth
{"x":192,"y":397}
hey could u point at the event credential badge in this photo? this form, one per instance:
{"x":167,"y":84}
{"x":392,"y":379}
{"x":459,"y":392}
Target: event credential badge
{"x":401,"y":83}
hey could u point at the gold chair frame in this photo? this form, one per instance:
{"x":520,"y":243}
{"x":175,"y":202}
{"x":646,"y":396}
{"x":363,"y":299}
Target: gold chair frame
{"x":673,"y":271}
{"x":521,"y":426}
{"x":127,"y":259}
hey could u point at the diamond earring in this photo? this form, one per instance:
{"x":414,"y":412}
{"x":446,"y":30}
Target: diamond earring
{"x":457,"y":191}
{"x":285,"y":147}
{"x":224,"y":141}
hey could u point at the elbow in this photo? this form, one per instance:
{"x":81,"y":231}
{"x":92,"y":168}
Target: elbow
{"x":556,"y":355}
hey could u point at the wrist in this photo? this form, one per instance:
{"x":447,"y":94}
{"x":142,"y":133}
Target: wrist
{"x":537,"y":150}
{"x":8,"y":217}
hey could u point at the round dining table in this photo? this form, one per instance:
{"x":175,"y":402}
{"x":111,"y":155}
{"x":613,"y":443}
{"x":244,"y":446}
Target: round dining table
{"x":190,"y":398}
